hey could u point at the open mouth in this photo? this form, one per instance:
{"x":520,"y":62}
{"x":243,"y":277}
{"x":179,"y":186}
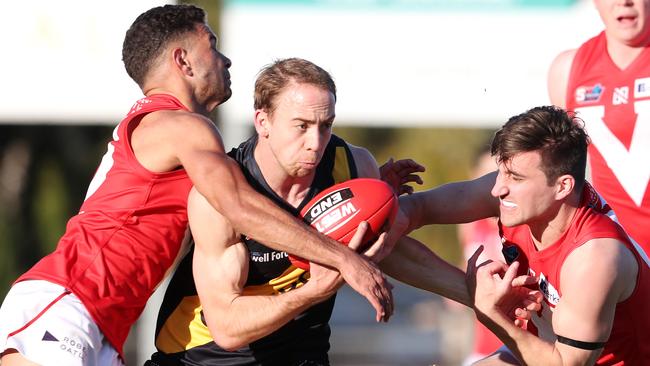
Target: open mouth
{"x":626,"y":19}
{"x":508,"y":204}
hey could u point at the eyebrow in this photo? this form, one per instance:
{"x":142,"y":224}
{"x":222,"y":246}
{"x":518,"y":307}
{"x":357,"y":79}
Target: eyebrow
{"x":514,"y":173}
{"x":328,"y":120}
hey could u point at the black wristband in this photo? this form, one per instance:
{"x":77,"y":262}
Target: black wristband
{"x":590,"y":346}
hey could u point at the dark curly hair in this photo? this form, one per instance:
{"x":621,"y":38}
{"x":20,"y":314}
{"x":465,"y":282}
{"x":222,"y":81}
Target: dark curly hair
{"x":558,"y":135}
{"x":152,"y":31}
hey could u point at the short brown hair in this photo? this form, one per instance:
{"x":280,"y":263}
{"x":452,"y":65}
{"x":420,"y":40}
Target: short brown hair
{"x":558,"y":135}
{"x":273,"y":78}
{"x":152,"y":31}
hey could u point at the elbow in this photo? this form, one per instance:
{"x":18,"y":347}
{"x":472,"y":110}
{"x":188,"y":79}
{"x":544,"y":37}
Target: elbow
{"x":230,"y":343}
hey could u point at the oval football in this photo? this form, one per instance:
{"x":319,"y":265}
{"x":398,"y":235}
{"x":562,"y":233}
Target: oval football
{"x":338,"y":210}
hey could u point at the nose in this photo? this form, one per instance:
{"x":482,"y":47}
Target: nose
{"x":226,"y":61}
{"x":499,"y":189}
{"x":314,"y":139}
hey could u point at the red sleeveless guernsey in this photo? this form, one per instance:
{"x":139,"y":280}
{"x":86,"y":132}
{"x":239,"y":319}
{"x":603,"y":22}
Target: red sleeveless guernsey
{"x":629,"y":341}
{"x":128,"y":233}
{"x":615,"y":105}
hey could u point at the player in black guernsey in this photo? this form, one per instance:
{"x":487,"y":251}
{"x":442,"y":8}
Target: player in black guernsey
{"x":182,"y":336}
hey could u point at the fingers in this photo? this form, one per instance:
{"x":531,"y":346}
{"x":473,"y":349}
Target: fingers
{"x":357,"y":238}
{"x":407,"y":165}
{"x":366,"y":278}
{"x":511,"y":273}
{"x":388,"y":303}
{"x":524,"y":280}
{"x":377,"y":251}
{"x":520,"y":323}
{"x":495,"y":269}
{"x":398,"y":173}
{"x":471,"y":262}
{"x":381,"y":299}
{"x":534,"y":301}
{"x":411,"y":178}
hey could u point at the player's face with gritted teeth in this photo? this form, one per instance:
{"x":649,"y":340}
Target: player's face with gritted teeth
{"x":524,"y":194}
{"x":301,"y":126}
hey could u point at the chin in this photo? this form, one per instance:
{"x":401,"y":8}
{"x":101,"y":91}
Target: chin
{"x":226,"y":95}
{"x":302,"y":172}
{"x":509,"y":222}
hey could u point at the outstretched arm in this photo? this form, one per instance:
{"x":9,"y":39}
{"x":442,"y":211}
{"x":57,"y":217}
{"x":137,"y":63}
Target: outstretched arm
{"x":451,"y":203}
{"x":413,"y":263}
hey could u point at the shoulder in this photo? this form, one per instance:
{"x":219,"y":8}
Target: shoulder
{"x":606,"y":263}
{"x":564,"y":59}
{"x":174,"y":121}
{"x":558,"y":77}
{"x":365,"y":162}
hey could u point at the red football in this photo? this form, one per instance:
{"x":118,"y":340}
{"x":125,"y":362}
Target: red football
{"x":338,"y":210}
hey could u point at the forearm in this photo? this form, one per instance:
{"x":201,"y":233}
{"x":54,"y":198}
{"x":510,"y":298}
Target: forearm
{"x":247,"y":318}
{"x":528,"y":348}
{"x":413,"y":263}
{"x":258,"y":217}
{"x":451,"y":203}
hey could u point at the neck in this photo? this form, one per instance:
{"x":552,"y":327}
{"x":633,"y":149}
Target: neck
{"x":623,"y":54}
{"x":549,"y":230}
{"x":184,"y":96}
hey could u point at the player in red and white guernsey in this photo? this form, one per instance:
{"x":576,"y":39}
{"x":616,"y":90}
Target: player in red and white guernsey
{"x":607,"y":81}
{"x":554,"y":226}
{"x":76,"y":306}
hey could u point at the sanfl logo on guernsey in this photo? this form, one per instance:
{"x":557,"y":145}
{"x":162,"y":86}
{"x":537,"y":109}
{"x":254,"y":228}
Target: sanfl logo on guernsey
{"x":631,"y":166}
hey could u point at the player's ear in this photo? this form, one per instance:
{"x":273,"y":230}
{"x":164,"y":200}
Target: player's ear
{"x":181,"y":61}
{"x":261,"y":123}
{"x":564,"y":185}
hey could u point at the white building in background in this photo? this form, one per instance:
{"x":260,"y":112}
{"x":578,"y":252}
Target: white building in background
{"x":396,"y":62}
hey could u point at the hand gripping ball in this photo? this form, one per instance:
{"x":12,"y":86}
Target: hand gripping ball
{"x":338,"y":210}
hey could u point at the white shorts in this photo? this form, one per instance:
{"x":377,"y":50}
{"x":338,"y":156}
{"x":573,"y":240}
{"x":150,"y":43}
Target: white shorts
{"x":49,"y":325}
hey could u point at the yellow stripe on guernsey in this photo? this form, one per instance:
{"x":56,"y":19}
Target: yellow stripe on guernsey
{"x":187,"y":315}
{"x":341,"y":171}
{"x":291,"y":278}
{"x":183,"y":329}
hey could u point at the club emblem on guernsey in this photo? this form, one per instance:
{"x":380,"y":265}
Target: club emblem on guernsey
{"x":586,"y":94}
{"x":332,"y":211}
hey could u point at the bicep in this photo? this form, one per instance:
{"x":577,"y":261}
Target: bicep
{"x":558,"y":77}
{"x":220,"y":262}
{"x":591,"y":287}
{"x":200,"y":150}
{"x":214,"y":174}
